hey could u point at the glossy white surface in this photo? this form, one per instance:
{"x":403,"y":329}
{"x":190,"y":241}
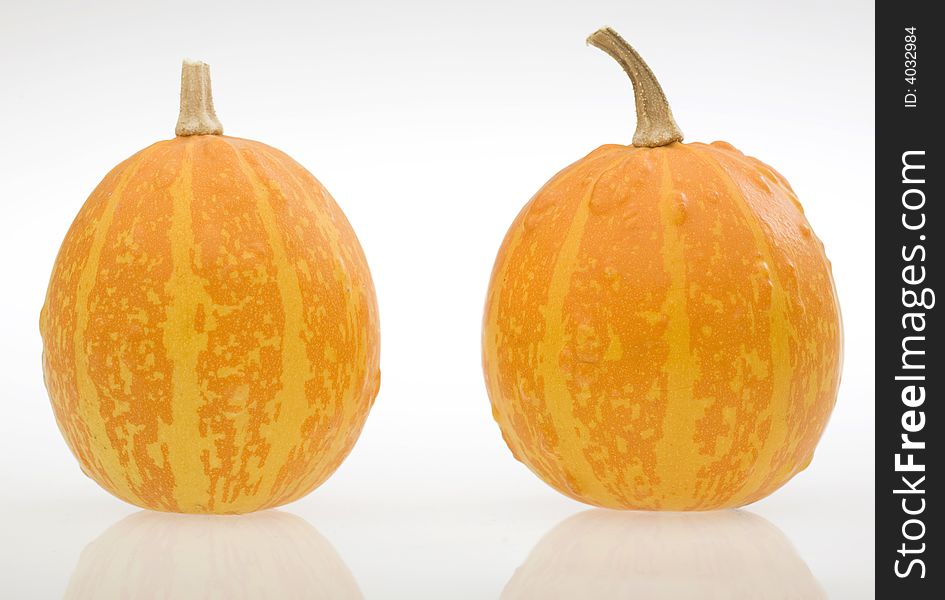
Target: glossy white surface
{"x":432,"y":124}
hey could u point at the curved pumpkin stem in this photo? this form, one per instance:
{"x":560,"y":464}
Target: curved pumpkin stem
{"x":197,"y":116}
{"x":655,"y":123}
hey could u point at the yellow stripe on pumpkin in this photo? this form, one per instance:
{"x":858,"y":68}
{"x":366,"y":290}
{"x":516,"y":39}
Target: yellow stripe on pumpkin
{"x":682,"y":367}
{"x":579,"y":477}
{"x":288,"y":407}
{"x":89,"y":408}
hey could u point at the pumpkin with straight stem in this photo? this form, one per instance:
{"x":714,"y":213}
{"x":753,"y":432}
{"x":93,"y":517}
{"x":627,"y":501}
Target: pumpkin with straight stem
{"x":210,"y":332}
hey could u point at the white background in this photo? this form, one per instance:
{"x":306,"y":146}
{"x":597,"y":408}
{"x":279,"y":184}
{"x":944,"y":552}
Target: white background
{"x":431,"y":125}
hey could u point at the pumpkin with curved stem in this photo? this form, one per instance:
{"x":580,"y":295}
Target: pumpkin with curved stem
{"x":661,"y":328}
{"x":211,"y":339}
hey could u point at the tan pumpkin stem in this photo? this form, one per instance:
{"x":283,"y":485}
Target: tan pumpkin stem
{"x":197,"y":116}
{"x":655,"y":123}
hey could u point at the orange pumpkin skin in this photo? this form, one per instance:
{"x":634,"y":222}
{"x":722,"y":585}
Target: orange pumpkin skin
{"x":211,"y":339}
{"x":662,"y":330}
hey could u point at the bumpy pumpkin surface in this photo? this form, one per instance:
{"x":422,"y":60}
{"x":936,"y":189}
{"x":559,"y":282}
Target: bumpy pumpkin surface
{"x":210,"y":331}
{"x":662,"y":331}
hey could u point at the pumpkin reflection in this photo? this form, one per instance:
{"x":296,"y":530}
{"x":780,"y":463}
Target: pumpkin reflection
{"x":265,"y":555}
{"x":603,"y":554}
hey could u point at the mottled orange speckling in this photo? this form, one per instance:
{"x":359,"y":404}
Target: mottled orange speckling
{"x":211,"y":338}
{"x":662,"y":330}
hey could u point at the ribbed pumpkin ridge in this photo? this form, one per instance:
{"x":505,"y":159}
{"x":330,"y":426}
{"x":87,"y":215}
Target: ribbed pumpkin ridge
{"x":210,"y":329}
